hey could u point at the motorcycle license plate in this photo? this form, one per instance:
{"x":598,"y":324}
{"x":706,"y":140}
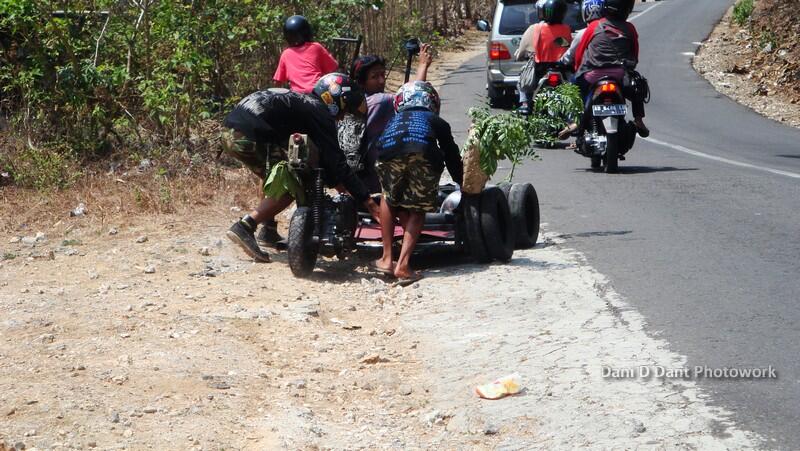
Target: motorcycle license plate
{"x":609,"y":110}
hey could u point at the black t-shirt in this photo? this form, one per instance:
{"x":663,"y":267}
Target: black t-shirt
{"x":266,"y":116}
{"x":421,"y":131}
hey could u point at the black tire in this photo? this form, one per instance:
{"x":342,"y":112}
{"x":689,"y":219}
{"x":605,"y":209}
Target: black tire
{"x":302,"y":252}
{"x":495,"y":95}
{"x":471,"y":206}
{"x":597,"y":161}
{"x":505,"y":187}
{"x":496,"y":224}
{"x":524,"y":205}
{"x":612,"y":153}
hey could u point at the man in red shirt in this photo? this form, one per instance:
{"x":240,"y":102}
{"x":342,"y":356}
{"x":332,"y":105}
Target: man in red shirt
{"x":304,"y":61}
{"x":545,"y":42}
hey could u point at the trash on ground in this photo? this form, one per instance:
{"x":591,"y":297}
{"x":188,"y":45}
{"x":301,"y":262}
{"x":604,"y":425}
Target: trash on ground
{"x":505,"y":386}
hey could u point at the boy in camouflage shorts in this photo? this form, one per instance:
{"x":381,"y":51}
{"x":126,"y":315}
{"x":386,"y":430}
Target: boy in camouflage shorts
{"x":259,"y":157}
{"x":412,"y":153}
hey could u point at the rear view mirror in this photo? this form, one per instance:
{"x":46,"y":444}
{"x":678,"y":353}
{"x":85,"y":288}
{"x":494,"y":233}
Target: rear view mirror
{"x":483,"y":25}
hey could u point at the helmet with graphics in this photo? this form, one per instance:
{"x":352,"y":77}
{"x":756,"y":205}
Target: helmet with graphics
{"x":417,"y":94}
{"x":592,"y":10}
{"x":340,"y":95}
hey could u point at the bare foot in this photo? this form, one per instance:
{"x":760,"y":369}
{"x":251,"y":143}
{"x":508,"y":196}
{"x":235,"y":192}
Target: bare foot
{"x":378,"y":265}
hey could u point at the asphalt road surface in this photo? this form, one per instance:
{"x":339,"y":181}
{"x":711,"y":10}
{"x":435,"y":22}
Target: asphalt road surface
{"x":699,"y":232}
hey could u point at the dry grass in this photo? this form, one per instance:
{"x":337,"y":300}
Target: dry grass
{"x":118,"y":198}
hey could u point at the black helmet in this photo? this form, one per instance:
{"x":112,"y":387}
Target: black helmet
{"x":553,"y":11}
{"x":618,"y":9}
{"x":297,"y":30}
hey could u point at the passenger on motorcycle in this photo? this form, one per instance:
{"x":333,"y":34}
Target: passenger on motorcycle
{"x":412,"y":153}
{"x":304,"y":61}
{"x":259,"y":129}
{"x":370,"y":74}
{"x":608,"y":48}
{"x":591,"y":10}
{"x":544,"y":42}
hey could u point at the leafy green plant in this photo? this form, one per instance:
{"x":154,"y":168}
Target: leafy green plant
{"x":281,"y":181}
{"x":513,"y":137}
{"x":562,"y":104}
{"x":742,"y":11}
{"x":505,"y":136}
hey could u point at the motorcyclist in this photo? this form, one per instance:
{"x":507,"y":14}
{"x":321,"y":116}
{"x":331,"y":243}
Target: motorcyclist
{"x":545,"y":42}
{"x":591,"y":10}
{"x":370,"y":74}
{"x":304,"y":61}
{"x":608,"y":48}
{"x":259,"y":129}
{"x":412,"y":153}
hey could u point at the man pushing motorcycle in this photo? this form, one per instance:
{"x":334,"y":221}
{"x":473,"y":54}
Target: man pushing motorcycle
{"x":259,"y":129}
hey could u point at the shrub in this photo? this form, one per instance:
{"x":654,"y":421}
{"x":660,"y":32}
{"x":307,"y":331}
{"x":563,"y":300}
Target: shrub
{"x":742,"y":11}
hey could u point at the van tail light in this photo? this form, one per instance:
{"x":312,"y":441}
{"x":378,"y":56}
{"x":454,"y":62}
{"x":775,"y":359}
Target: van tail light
{"x":553,"y":79}
{"x":499,"y":51}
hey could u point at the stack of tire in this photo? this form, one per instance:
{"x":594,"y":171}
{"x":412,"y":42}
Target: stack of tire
{"x":499,"y":220}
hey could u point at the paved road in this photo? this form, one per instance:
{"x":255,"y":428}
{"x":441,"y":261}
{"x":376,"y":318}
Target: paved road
{"x":700,"y":236}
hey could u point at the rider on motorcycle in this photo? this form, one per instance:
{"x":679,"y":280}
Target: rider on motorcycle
{"x":591,"y":10}
{"x":545,"y":42}
{"x":608,"y":48}
{"x":260,"y":126}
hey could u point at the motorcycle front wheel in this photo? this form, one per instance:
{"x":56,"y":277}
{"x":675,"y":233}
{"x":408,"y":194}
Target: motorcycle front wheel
{"x":302,"y":251}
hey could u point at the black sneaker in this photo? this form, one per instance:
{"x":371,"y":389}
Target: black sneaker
{"x":268,"y":236}
{"x":240,"y":235}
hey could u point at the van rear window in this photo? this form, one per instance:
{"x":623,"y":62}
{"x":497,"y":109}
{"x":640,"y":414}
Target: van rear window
{"x":517,"y":18}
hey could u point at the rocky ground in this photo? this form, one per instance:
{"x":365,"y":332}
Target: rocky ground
{"x":756,"y":64}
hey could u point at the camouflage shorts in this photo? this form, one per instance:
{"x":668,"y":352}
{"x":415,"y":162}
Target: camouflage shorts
{"x":409,"y":182}
{"x":259,"y":157}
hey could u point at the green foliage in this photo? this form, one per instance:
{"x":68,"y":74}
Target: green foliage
{"x":44,"y":169}
{"x":144,"y":78}
{"x":562,"y":105}
{"x":281,"y":181}
{"x":742,"y":11}
{"x":510,"y":136}
{"x":504,"y":136}
{"x":9,"y":256}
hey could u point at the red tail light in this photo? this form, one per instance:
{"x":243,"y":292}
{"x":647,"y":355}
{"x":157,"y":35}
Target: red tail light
{"x":499,"y":51}
{"x":553,"y":80}
{"x":608,"y":87}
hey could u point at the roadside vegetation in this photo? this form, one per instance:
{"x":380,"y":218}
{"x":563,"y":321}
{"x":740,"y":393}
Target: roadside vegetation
{"x":771,"y":55}
{"x":742,"y":11}
{"x":94,"y":86}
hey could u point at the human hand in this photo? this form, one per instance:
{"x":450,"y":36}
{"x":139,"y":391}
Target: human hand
{"x":425,"y":55}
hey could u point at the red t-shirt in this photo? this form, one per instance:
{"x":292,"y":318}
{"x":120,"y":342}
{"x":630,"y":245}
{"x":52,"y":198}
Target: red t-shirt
{"x":303,"y":65}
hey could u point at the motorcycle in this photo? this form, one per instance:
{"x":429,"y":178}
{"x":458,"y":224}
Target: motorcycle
{"x":489,"y":226}
{"x":606,"y":136}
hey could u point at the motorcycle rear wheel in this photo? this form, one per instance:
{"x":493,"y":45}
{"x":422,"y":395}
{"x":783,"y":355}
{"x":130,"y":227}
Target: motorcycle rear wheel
{"x":612,"y":153}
